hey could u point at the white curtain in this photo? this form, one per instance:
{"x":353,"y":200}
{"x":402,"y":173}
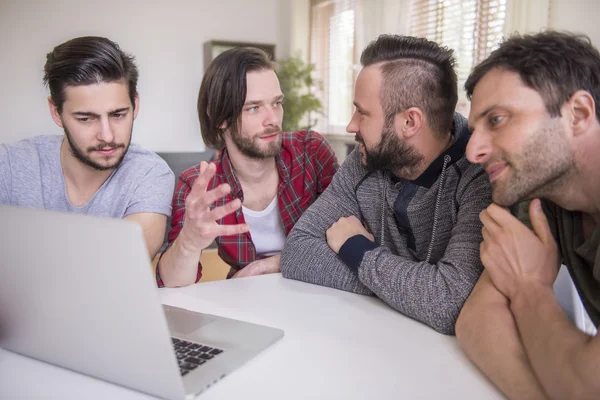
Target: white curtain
{"x":375,"y":17}
{"x":526,"y":16}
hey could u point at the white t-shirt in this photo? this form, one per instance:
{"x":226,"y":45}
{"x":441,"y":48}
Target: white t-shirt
{"x":266,"y":229}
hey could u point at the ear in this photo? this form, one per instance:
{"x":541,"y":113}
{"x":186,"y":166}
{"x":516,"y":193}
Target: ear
{"x":409,"y":122}
{"x":54,"y":113}
{"x":581,"y":110}
{"x":136,"y":106}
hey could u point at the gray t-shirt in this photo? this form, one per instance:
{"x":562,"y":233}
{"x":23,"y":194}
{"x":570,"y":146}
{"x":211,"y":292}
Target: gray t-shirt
{"x":31,"y":175}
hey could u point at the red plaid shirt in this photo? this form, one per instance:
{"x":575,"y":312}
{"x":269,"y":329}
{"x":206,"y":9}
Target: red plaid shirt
{"x":306,"y":165}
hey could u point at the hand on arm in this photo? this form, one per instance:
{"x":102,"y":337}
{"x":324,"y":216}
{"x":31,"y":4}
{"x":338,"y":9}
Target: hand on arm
{"x":434,"y":291}
{"x":269,"y":265}
{"x":344,"y":229}
{"x":179,"y":264}
{"x":523,"y":264}
{"x":306,"y":255}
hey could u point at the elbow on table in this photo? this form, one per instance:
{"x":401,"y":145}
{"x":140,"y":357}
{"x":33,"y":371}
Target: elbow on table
{"x":466,"y":325}
{"x":287,"y":260}
{"x":444,"y":324}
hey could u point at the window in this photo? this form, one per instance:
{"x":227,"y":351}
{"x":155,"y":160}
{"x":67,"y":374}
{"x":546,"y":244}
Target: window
{"x":332,"y":52}
{"x":472,"y":28}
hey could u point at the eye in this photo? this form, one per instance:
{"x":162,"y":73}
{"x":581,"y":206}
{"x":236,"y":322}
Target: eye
{"x":278,"y":103}
{"x":495,"y":120}
{"x":252,"y":109}
{"x":85,"y":119}
{"x":118,"y":115}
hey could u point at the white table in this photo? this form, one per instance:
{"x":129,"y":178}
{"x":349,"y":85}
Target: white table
{"x":337,"y":345}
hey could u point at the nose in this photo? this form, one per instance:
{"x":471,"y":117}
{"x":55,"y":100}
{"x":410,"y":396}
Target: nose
{"x":105,"y":132}
{"x":272,"y":117}
{"x":352,"y":126}
{"x":479,"y":147}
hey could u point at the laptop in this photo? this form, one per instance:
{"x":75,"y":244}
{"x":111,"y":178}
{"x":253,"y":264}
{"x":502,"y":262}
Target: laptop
{"x":78,"y":291}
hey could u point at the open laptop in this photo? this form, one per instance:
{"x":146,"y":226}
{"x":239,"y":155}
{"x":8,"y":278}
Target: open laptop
{"x":78,"y":291}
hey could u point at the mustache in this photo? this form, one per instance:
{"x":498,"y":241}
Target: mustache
{"x":270,"y":131}
{"x":358,"y":137}
{"x":111,"y":145}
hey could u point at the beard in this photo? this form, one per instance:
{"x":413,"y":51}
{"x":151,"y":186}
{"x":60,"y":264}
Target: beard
{"x":392,"y":154}
{"x":543,"y":165}
{"x":250,"y":147}
{"x":83,"y":155}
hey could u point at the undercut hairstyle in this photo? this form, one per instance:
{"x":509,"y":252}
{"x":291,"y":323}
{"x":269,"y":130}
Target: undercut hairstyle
{"x":85,"y":61}
{"x":223,"y":91}
{"x":416,"y":72}
{"x":554,"y":64}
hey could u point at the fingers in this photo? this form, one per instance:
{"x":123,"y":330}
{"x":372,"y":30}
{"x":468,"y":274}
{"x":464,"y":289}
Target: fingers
{"x":219,"y":212}
{"x":230,"y":230}
{"x":213,"y":195}
{"x":539,"y":222}
{"x":500,"y":215}
{"x":207,"y":172}
{"x":488,"y":222}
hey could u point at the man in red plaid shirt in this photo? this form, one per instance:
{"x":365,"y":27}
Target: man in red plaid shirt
{"x":249,"y":199}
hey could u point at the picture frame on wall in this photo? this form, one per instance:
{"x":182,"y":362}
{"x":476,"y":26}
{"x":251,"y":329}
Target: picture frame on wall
{"x":213,"y":48}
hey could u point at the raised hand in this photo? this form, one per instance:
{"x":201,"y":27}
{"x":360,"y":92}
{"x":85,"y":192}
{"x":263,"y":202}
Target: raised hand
{"x":200,"y":225}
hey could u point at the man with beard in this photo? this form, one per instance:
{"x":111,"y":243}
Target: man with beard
{"x":92,"y":169}
{"x":249,"y":199}
{"x":536,"y":130}
{"x":401,"y":218}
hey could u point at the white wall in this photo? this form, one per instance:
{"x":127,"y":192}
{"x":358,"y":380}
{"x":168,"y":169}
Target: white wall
{"x":580,"y":16}
{"x":166,"y":37}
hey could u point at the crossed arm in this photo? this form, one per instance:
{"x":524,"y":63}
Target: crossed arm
{"x":512,"y":326}
{"x":429,"y":292}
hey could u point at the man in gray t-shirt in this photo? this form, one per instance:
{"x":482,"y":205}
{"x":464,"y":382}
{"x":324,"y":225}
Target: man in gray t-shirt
{"x":31,"y":175}
{"x":92,"y":169}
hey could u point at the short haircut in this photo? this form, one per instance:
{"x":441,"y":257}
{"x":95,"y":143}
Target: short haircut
{"x":223,"y":91}
{"x":416,"y":72}
{"x":554,"y":64}
{"x":88,"y":60}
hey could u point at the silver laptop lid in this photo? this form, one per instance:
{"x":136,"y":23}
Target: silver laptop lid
{"x":78,"y":291}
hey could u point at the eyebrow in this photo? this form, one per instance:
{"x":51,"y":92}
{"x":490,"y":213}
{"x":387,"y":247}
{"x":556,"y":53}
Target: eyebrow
{"x":360,"y":108}
{"x":255,"y":102}
{"x":485,"y":112}
{"x":95,"y":115}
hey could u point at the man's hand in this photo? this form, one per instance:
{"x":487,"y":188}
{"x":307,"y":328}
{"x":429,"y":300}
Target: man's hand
{"x":268,"y":265}
{"x":514,"y":256}
{"x":344,"y":229}
{"x":199,"y":225}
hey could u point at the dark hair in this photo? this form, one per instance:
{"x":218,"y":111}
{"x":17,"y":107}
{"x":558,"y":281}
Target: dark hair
{"x":87,"y":60}
{"x":416,"y":73}
{"x":223,"y":91}
{"x":555,"y":64}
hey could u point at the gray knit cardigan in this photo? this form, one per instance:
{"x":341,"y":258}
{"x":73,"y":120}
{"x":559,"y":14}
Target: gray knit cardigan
{"x":425,"y":258}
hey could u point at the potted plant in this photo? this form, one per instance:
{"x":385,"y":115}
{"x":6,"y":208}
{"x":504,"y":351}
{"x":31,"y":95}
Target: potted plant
{"x":301,"y":106}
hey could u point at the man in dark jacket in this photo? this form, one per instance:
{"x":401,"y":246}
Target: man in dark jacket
{"x":400,"y":219}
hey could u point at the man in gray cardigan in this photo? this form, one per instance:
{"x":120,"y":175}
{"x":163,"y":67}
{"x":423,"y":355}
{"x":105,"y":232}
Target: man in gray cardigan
{"x":400,"y":219}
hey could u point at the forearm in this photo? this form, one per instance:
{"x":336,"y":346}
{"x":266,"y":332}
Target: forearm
{"x":430,"y":293}
{"x":179,"y":264}
{"x":309,"y":259}
{"x":306,"y":255}
{"x":565,"y":359}
{"x":487,"y":333}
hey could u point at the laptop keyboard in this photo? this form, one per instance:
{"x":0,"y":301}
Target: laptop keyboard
{"x":191,"y":355}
